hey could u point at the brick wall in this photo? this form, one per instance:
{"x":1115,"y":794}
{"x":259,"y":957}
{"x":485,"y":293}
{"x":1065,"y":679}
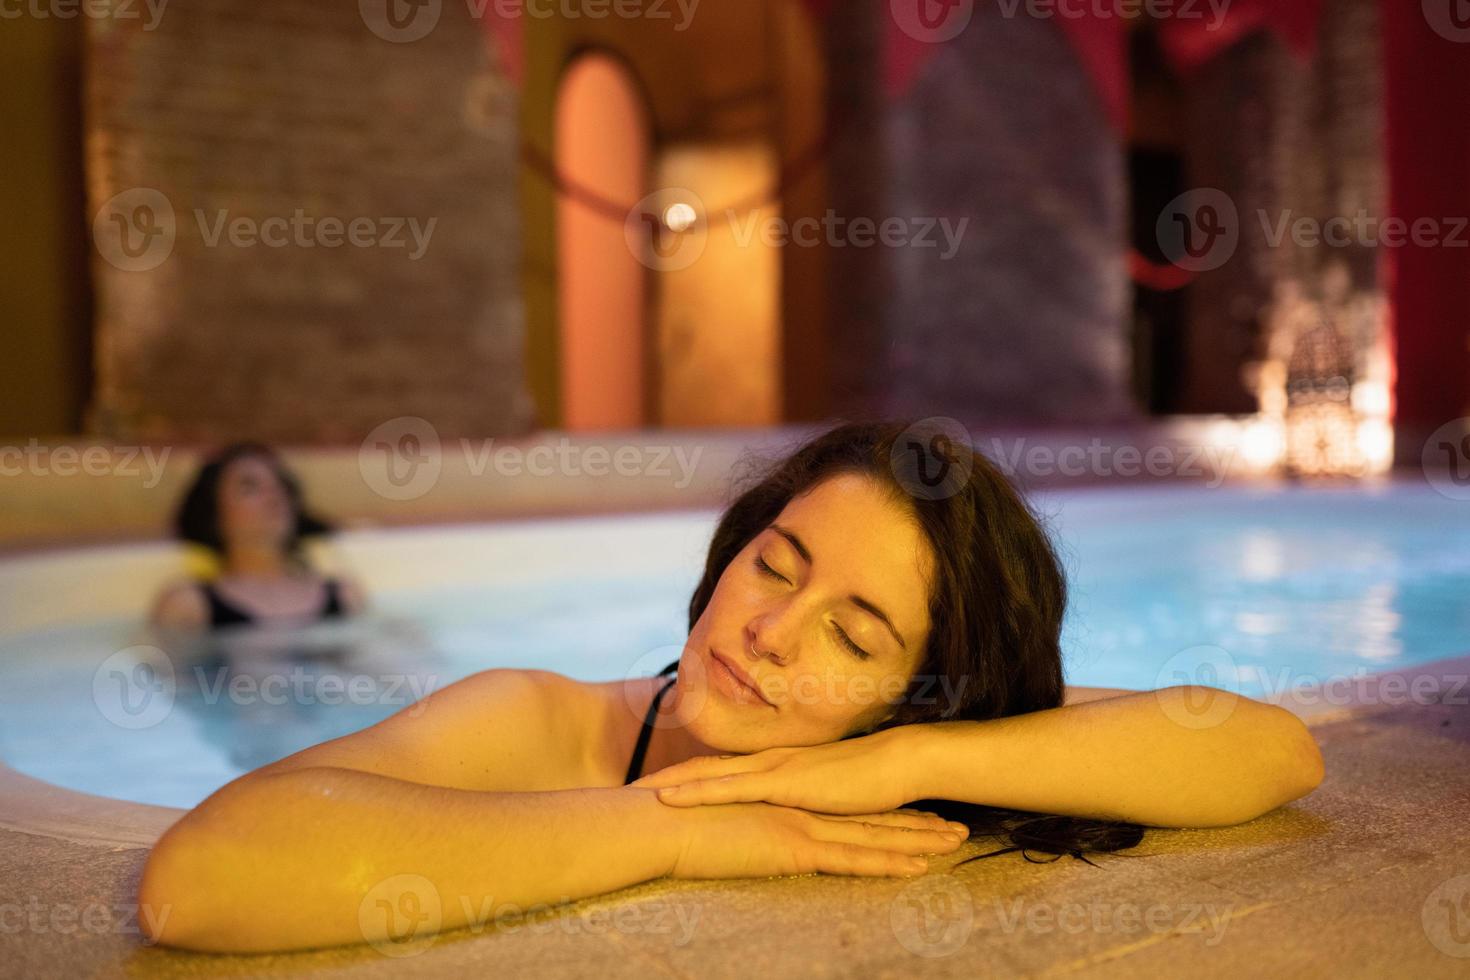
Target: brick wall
{"x":261,"y":110}
{"x":1027,"y":319}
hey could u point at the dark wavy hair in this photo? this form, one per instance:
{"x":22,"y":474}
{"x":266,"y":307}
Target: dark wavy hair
{"x":197,"y":518}
{"x":996,"y":606}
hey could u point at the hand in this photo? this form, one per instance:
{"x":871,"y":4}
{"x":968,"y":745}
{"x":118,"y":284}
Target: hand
{"x":756,"y":840}
{"x":870,"y":774}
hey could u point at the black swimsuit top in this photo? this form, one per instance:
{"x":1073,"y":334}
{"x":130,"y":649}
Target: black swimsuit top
{"x":224,"y":613}
{"x":635,"y":766}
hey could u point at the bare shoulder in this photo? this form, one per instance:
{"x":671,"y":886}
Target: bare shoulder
{"x":503,"y":729}
{"x":180,"y":605}
{"x":1079,"y":695}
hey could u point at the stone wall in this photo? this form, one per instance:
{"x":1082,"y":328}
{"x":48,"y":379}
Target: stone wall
{"x":284,"y":118}
{"x":1027,"y":320}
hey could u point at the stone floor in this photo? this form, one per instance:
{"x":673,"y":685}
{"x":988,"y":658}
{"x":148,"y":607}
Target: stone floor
{"x":1369,"y":876}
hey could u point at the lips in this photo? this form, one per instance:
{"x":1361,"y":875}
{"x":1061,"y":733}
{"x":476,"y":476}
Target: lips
{"x":738,"y":676}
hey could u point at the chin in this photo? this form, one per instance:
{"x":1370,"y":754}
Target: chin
{"x":713,"y":724}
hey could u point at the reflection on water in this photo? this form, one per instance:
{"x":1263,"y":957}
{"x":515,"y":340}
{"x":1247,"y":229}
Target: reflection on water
{"x":120,"y":711}
{"x":261,"y":694}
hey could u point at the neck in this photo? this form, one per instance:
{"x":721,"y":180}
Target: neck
{"x":671,"y":743}
{"x":256,"y":561}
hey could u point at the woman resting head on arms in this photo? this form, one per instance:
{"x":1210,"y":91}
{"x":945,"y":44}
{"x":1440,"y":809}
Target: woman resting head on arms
{"x":894,"y":647}
{"x":246,"y":509}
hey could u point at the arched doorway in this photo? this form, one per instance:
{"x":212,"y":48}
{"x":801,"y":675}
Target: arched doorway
{"x":602,"y":147}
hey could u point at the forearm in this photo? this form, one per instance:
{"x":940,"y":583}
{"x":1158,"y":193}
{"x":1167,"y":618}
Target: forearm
{"x":287,"y":861}
{"x":1136,"y":758}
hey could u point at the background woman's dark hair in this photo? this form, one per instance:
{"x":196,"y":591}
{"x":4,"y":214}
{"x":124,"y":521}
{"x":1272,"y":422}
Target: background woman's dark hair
{"x":197,"y":519}
{"x":995,"y":610}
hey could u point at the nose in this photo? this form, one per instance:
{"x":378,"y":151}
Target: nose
{"x":760,"y":643}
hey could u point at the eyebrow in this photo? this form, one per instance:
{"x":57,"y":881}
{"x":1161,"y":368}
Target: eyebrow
{"x":856,"y":600}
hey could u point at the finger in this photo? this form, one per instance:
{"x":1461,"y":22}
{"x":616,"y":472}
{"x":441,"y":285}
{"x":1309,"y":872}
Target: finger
{"x":903,"y":818}
{"x":747,"y":787}
{"x":904,"y":840}
{"x":699,"y":767}
{"x":853,"y":859}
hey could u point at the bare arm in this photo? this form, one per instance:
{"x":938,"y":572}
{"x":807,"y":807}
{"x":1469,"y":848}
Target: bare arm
{"x":302,"y":858}
{"x":1178,"y":757}
{"x":464,"y":805}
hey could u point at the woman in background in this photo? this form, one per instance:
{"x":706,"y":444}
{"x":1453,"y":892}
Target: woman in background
{"x":246,"y":508}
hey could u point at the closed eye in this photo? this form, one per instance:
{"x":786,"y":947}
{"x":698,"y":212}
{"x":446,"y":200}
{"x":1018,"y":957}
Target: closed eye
{"x":847,"y":642}
{"x":842,"y":637}
{"x":765,"y":569}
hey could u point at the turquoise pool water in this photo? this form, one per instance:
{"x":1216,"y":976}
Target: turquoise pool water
{"x":1249,"y":589}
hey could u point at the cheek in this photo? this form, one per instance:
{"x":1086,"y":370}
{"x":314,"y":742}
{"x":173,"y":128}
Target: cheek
{"x":849,"y":697}
{"x":232,"y":508}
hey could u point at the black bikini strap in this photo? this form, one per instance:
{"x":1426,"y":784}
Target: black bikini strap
{"x":635,"y":766}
